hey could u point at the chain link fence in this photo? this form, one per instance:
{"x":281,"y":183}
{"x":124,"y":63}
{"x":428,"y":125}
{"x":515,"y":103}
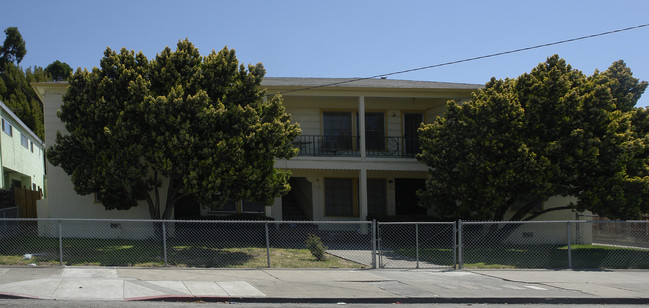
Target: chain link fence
{"x":416,"y":245}
{"x":348,"y":244}
{"x":222,"y":244}
{"x":582,"y":244}
{"x":537,"y":244}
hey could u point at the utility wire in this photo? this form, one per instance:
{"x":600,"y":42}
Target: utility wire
{"x":469,"y":59}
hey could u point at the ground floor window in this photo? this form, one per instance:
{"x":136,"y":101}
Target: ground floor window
{"x":376,"y":197}
{"x":232,"y":206}
{"x":253,"y":207}
{"x":341,"y":198}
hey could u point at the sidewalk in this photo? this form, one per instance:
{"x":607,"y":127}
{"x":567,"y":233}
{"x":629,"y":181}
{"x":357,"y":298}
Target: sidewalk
{"x":326,"y":285}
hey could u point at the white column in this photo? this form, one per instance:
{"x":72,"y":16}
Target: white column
{"x":361,"y":124}
{"x":362,"y":194}
{"x":275,"y":210}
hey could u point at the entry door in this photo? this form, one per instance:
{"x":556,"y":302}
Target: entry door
{"x":411,"y":122}
{"x":406,"y":197}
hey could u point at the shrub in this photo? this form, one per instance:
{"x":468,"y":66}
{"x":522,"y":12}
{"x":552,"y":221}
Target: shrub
{"x":316,"y":247}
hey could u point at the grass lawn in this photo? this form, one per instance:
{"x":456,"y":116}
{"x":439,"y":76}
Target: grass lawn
{"x":555,"y":256}
{"x":120,"y":252}
{"x":149,"y":253}
{"x":536,"y":256}
{"x":433,"y":255}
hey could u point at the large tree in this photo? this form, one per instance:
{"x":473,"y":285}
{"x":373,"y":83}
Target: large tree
{"x":551,"y":132}
{"x":58,"y":70}
{"x":199,"y":124}
{"x":15,"y":89}
{"x":13,"y":49}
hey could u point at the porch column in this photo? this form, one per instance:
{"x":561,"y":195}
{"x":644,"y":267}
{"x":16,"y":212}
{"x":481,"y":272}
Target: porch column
{"x":361,"y":124}
{"x":362,"y":194}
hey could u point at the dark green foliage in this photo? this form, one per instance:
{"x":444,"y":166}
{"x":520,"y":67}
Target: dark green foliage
{"x":316,"y":247}
{"x":59,"y":70}
{"x":198,"y":124}
{"x":551,"y":132}
{"x":13,"y":50}
{"x":15,"y":89}
{"x":17,"y":93}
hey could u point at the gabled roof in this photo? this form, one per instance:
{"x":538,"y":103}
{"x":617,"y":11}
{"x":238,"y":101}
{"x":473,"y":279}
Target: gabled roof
{"x":364,"y":83}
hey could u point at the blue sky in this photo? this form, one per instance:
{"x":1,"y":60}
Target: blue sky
{"x":343,"y":38}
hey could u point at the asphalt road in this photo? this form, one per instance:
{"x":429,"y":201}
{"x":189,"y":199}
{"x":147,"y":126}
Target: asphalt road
{"x":24,"y":303}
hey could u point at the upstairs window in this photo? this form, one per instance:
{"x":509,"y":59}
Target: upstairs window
{"x":24,"y":141}
{"x":32,"y":144}
{"x":374,"y":131}
{"x":7,"y":128}
{"x":337,"y":129}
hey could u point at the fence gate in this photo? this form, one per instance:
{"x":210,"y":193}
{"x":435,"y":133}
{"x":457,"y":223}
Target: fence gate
{"x":416,"y":244}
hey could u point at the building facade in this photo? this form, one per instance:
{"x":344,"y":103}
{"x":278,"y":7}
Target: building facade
{"x":22,"y":154}
{"x":358,"y":145}
{"x":356,"y":153}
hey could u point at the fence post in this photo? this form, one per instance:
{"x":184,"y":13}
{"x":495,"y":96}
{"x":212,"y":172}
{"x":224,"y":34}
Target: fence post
{"x":164,"y":241}
{"x":459,"y":244}
{"x":379,"y":244}
{"x":454,"y":249}
{"x":417,"y":243}
{"x":267,"y":245}
{"x":569,"y":248}
{"x":374,"y":243}
{"x":60,"y":245}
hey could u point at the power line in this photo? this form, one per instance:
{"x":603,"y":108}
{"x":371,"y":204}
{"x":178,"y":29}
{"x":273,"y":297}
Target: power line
{"x":469,"y":59}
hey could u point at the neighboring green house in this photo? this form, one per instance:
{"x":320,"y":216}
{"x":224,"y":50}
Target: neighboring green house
{"x":22,"y":154}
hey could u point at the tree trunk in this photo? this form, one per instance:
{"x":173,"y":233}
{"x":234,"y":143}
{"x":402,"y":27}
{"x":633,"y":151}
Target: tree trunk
{"x":499,"y":233}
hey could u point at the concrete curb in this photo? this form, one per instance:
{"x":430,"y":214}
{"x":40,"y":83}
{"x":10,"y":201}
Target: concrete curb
{"x":4,"y":295}
{"x":409,"y":300}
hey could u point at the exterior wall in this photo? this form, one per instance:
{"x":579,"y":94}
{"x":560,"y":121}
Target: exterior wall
{"x":307,"y":110}
{"x":546,"y":233}
{"x":20,"y":163}
{"x":102,"y":229}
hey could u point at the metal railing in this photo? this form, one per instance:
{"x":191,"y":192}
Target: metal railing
{"x":330,"y":244}
{"x":314,"y":145}
{"x":403,"y":147}
{"x":375,"y":146}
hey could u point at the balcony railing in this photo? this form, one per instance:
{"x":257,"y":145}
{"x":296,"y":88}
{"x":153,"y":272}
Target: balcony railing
{"x":375,"y":146}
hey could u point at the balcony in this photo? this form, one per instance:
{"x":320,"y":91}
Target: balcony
{"x":348,"y":146}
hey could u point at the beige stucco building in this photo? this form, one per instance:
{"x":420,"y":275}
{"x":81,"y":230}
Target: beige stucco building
{"x":356,"y":156}
{"x":356,"y":159}
{"x":358,"y":145}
